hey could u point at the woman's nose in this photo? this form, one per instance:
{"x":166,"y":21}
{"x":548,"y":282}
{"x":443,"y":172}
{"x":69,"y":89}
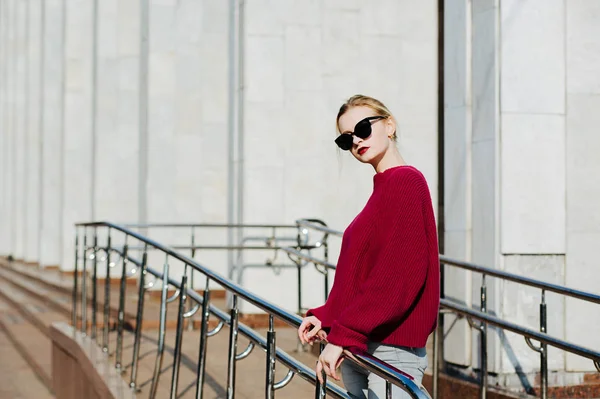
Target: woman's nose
{"x":356,"y":140}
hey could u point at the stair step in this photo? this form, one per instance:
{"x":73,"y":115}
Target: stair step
{"x":33,"y":346}
{"x":33,"y":310}
{"x":17,"y":380}
{"x":52,"y":278}
{"x":55,"y":286}
{"x":250,"y":371}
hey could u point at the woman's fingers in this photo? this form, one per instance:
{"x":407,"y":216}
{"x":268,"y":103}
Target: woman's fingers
{"x":322,"y":335}
{"x":313,"y":332}
{"x":319,"y":371}
{"x":302,"y":329}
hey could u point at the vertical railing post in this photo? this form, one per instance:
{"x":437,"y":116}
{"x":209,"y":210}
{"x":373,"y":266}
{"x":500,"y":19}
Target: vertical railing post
{"x":270,"y":373}
{"x":320,"y":390}
{"x":299,"y":269}
{"x":203,"y":341}
{"x":436,"y":366}
{"x":75,"y":279}
{"x":543,"y":348}
{"x":483,"y":336}
{"x":233,"y":335}
{"x":161,"y":329}
{"x":121,"y":311}
{"x":298,"y":263}
{"x":438,"y":339}
{"x":192,"y":285}
{"x":106,"y":296}
{"x":326,"y":258}
{"x":84,"y":285}
{"x":388,"y":390}
{"x":95,"y":286}
{"x":179,"y":335}
{"x":138,"y":320}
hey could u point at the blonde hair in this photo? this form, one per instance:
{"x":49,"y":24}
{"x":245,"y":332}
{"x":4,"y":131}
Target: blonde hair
{"x":360,"y":100}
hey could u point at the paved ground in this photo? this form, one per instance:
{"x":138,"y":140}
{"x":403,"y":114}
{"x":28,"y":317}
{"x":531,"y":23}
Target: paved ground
{"x":17,"y":379}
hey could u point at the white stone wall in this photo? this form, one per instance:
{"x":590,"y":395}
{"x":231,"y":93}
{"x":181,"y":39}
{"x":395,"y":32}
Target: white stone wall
{"x":302,"y":60}
{"x":78,"y":152}
{"x":533,"y":80}
{"x":51,"y":237}
{"x":5,"y":93}
{"x":458,"y":170}
{"x":582,"y":165}
{"x":19,"y":129}
{"x":33,"y":148}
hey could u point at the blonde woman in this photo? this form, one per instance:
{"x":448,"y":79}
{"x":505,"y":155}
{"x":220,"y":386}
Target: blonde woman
{"x":385,"y":296}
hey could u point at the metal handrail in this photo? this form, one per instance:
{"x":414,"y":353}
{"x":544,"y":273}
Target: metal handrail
{"x":207,"y":225}
{"x":485,"y":318}
{"x":559,"y":289}
{"x":571,"y":292}
{"x":371,"y":364}
{"x":526,"y":332}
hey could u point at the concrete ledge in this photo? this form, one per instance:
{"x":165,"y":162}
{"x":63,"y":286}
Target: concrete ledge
{"x":81,"y":370}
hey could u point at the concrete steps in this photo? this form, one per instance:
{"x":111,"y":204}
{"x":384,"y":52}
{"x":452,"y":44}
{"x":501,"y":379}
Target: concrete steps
{"x":25,"y":324}
{"x":17,"y":379}
{"x":31,"y":299}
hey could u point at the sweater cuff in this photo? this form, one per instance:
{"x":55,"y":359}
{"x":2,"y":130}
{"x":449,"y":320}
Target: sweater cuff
{"x":347,"y":338}
{"x":320,"y":314}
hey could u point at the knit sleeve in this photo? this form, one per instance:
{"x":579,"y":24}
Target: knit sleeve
{"x":397,"y":277}
{"x":321,"y":314}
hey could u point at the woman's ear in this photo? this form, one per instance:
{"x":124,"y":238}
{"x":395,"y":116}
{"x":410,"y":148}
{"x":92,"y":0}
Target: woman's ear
{"x":390,"y":127}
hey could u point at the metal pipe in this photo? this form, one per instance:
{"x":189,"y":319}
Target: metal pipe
{"x":439,"y":345}
{"x":543,"y":348}
{"x":240,"y":120}
{"x":233,"y":335}
{"x":41,"y":126}
{"x":483,"y":348}
{"x":286,"y":380}
{"x":246,"y":352}
{"x":121,"y":312}
{"x":138,"y":322}
{"x":203,"y":341}
{"x":75,"y":278}
{"x":84,"y":286}
{"x":216,"y":330}
{"x":179,"y":336}
{"x":270,"y":375}
{"x":388,"y":390}
{"x":231,"y":113}
{"x":320,"y":389}
{"x":106,"y":297}
{"x":192,"y":285}
{"x":299,"y":269}
{"x":95,"y":287}
{"x":161,"y":330}
{"x":436,"y":366}
{"x":94,"y":108}
{"x":144,"y":42}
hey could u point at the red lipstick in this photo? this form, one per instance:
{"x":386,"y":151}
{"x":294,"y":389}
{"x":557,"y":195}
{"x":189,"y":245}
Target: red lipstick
{"x":362,"y":150}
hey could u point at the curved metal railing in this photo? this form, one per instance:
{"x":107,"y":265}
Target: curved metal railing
{"x":131,"y":266}
{"x":484,"y":319}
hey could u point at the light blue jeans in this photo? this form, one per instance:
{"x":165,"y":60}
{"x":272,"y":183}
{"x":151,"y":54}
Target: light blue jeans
{"x":361,"y":384}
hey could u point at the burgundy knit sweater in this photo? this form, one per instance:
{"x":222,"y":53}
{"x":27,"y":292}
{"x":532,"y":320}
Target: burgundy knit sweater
{"x":387,"y":283}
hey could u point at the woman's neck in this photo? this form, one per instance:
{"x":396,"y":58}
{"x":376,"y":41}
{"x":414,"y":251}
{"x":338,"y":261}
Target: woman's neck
{"x":390,"y":159}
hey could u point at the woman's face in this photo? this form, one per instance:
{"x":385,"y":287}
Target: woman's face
{"x":372,"y":148}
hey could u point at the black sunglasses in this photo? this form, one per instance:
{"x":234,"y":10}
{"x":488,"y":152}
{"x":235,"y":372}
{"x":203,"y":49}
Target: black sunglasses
{"x":361,"y":130}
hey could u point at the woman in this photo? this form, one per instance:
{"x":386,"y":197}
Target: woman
{"x":385,"y":296}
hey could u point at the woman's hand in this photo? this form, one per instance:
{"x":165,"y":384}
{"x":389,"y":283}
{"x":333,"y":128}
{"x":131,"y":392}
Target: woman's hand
{"x":310,"y":330}
{"x":329,"y":361}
